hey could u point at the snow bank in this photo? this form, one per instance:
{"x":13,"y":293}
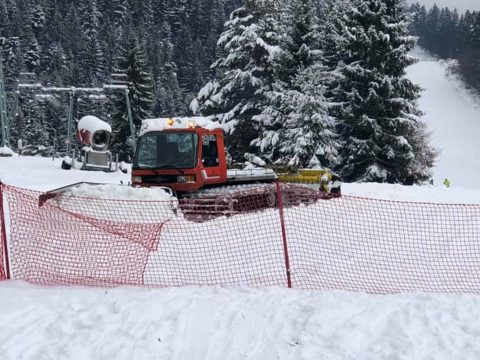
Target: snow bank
{"x":426,"y":193}
{"x":6,"y":151}
{"x":155,"y":205}
{"x":267,"y":324}
{"x":120,"y":192}
{"x":178,"y":123}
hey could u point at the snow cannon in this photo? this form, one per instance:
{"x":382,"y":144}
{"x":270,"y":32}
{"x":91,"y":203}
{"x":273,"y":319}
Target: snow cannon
{"x":94,"y":135}
{"x":93,"y":132}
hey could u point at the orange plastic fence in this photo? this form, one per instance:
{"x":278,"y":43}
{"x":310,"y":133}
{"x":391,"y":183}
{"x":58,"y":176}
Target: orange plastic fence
{"x":348,"y":243}
{"x":3,"y":275}
{"x":3,"y":239}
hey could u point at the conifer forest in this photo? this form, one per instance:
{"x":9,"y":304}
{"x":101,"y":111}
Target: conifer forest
{"x":298,"y":83}
{"x":450,"y":35}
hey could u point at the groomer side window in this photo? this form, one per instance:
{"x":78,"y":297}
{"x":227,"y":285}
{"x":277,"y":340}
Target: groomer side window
{"x":210,"y":151}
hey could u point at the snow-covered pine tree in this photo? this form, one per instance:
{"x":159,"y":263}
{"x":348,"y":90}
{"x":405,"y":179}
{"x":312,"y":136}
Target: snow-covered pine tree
{"x":244,"y":73}
{"x":13,"y":19}
{"x":3,"y":15}
{"x":91,"y":55}
{"x":38,"y":20}
{"x":30,"y":46}
{"x":32,"y":55}
{"x":308,"y":137}
{"x":183,"y":53}
{"x":169,"y":100}
{"x":36,"y":126}
{"x":31,"y":49}
{"x":12,"y":58}
{"x":296,"y":128}
{"x":381,"y":129}
{"x":57,"y":66}
{"x":418,"y":22}
{"x":72,"y":45}
{"x":132,"y":62}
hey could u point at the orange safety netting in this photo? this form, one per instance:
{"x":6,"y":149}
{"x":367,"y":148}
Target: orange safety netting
{"x":346,"y":243}
{"x":3,"y":239}
{"x":3,"y":274}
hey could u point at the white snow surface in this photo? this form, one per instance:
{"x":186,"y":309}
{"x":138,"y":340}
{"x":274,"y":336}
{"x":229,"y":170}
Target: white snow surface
{"x":119,"y":192}
{"x":178,"y":123}
{"x":6,"y":151}
{"x":93,"y":124}
{"x":211,"y":323}
{"x":452,"y":114}
{"x":219,"y":324}
{"x":270,"y":323}
{"x":43,"y":174}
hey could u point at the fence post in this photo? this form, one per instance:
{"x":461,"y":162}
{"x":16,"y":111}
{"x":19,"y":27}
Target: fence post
{"x":3,"y":235}
{"x":284,"y":233}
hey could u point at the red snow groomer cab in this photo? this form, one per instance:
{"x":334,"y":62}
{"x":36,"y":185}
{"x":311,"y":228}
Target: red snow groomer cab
{"x":186,"y":154}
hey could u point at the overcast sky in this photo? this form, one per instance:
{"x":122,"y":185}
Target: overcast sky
{"x":461,"y":5}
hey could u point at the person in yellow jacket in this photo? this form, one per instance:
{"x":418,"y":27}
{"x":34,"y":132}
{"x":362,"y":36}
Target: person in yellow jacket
{"x":446,"y":182}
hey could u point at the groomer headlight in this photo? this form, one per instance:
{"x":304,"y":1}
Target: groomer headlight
{"x":186,"y":179}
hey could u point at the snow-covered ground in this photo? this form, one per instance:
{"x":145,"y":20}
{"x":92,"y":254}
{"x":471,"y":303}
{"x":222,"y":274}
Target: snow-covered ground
{"x":45,"y":174}
{"x":201,"y":323}
{"x":195,"y":323}
{"x":452,"y":113}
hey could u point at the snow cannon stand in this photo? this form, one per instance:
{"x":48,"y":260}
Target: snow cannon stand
{"x":95,"y":136}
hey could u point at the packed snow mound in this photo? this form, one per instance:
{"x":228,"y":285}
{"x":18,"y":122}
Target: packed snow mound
{"x":120,"y":192}
{"x":178,"y":123}
{"x":6,"y":151}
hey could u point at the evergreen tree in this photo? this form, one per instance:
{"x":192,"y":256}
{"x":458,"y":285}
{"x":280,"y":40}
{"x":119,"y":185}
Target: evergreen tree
{"x":432,"y":27}
{"x":169,"y":100}
{"x":380,"y":119}
{"x":12,"y":58}
{"x":418,"y":24}
{"x":3,"y":15}
{"x":30,"y":46}
{"x":245,"y":73}
{"x":132,"y":63}
{"x":75,"y":43}
{"x":57,"y":66}
{"x":296,"y":128}
{"x":32,"y":55}
{"x":91,"y":59}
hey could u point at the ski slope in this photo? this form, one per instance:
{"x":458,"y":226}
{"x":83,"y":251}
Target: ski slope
{"x":452,"y":114}
{"x":230,"y":324}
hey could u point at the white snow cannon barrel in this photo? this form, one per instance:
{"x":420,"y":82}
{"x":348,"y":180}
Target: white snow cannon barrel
{"x":93,"y":132}
{"x":95,"y":135}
